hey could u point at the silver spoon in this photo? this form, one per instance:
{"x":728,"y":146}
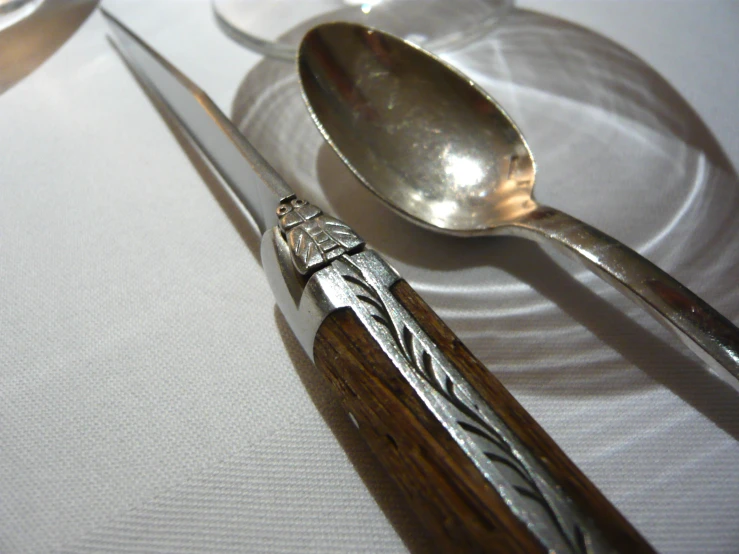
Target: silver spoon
{"x":442,"y":153}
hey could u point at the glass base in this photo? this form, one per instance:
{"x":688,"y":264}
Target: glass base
{"x":12,"y":11}
{"x":275,"y":28}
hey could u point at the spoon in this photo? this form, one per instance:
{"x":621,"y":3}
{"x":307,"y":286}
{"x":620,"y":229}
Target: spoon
{"x":443,"y":154}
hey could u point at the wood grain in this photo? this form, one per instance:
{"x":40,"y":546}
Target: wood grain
{"x":455,"y":503}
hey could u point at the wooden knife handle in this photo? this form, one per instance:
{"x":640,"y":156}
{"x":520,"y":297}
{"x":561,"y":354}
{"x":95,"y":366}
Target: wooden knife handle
{"x":461,"y":509}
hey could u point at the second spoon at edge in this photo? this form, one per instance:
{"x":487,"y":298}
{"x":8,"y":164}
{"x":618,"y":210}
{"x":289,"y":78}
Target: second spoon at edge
{"x":440,"y":152}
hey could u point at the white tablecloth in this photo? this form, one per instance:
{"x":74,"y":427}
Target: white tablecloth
{"x":153,"y":399}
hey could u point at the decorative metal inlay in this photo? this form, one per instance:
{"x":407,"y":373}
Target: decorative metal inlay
{"x":519,"y":478}
{"x":315,"y":239}
{"x":340,"y":273}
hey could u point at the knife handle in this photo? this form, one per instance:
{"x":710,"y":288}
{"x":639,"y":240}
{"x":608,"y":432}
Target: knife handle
{"x":478,"y":471}
{"x":542,"y":502}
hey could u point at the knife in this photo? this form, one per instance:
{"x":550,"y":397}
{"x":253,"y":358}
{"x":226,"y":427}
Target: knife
{"x":477,"y":470}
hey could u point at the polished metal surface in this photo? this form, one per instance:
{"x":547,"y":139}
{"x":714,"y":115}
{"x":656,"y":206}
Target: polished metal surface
{"x":243,"y":169}
{"x":302,"y":239}
{"x":442,"y":153}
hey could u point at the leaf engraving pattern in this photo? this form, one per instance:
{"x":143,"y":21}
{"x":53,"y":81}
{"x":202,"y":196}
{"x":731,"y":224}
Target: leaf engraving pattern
{"x":538,"y":499}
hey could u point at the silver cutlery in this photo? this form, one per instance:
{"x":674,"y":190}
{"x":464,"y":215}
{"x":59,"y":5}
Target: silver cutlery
{"x":439,"y":151}
{"x":478,"y":471}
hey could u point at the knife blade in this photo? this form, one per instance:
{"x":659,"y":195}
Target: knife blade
{"x":477,"y":470}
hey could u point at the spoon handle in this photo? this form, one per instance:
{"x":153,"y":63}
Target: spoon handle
{"x":478,"y":471}
{"x":707,"y":333}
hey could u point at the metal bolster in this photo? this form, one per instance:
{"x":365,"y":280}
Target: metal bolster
{"x":315,"y":265}
{"x":306,"y":302}
{"x":299,"y":257}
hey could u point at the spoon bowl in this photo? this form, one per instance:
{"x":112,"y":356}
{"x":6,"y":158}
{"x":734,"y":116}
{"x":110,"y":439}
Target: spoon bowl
{"x":442,"y":153}
{"x":449,"y":157}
